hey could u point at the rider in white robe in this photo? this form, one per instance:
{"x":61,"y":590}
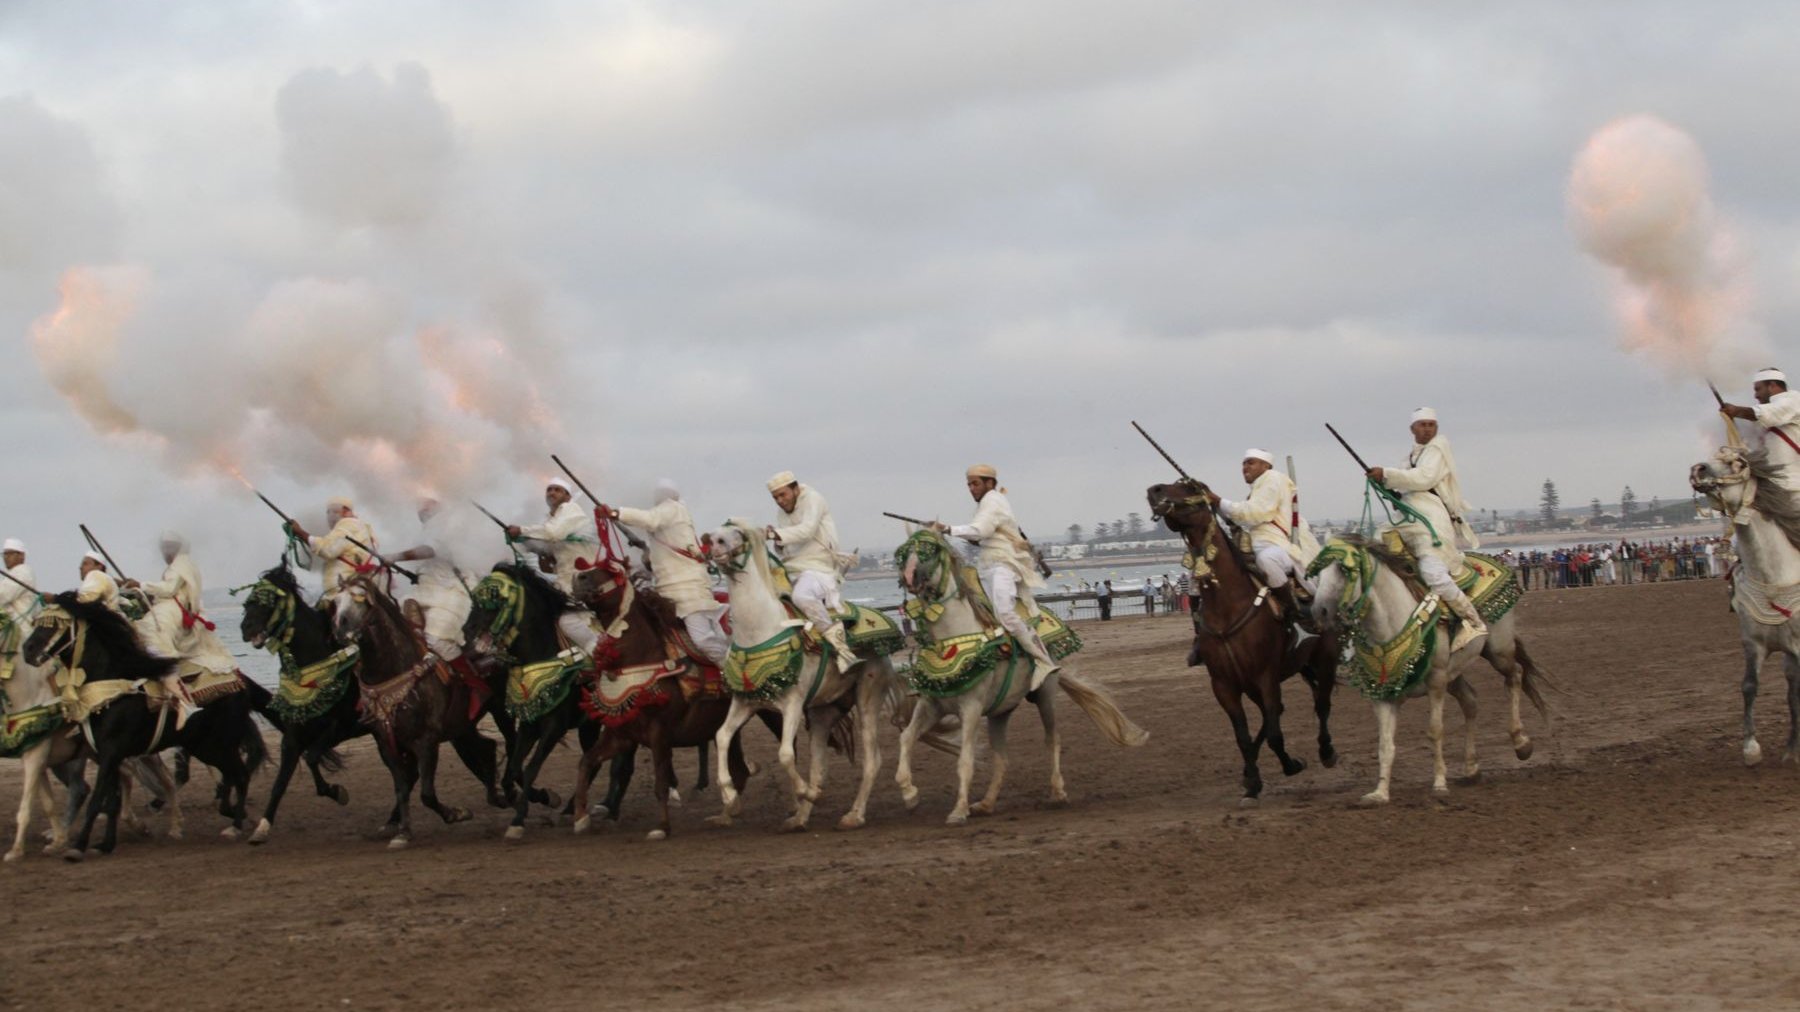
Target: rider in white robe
{"x":335,"y":554}
{"x":567,"y":534}
{"x":96,"y":585}
{"x":678,"y":567}
{"x":176,"y":625}
{"x":1281,"y":539}
{"x":441,"y":594}
{"x":1777,"y":416}
{"x":1429,"y":487}
{"x":1004,"y":561}
{"x":18,"y":605}
{"x":806,"y":539}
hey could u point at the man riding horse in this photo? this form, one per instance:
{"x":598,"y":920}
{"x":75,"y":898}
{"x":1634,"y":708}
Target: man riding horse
{"x":1282,"y":541}
{"x":678,"y":567}
{"x":441,"y":596}
{"x":336,"y":553}
{"x":1777,"y":411}
{"x":807,"y":542}
{"x":568,"y":534}
{"x":1005,"y":564}
{"x":1433,"y":528}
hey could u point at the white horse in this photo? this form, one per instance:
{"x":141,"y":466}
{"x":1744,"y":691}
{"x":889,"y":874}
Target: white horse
{"x":992,"y":684}
{"x":1386,"y":608}
{"x":1766,"y":584}
{"x":819,"y":695}
{"x":30,"y":708}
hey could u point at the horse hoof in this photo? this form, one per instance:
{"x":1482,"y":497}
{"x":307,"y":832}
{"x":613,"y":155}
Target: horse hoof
{"x":399,"y":842}
{"x":340,"y":794}
{"x":1328,"y":758}
{"x":1249,"y":802}
{"x":74,"y":855}
{"x":656,"y":834}
{"x":851,"y":821}
{"x":721,"y":821}
{"x":754,"y":768}
{"x":456,"y":815}
{"x":1298,"y":766}
{"x":674,"y":798}
{"x":261,"y":835}
{"x":1440,"y":789}
{"x":909,"y":796}
{"x":957,"y":819}
{"x":388,"y":830}
{"x":12,"y":855}
{"x":583,"y":824}
{"x":812,"y":794}
{"x":1523,"y":750}
{"x":552,"y":799}
{"x":793,"y":824}
{"x":1373,"y":799}
{"x":1058,"y":799}
{"x":1752,"y":753}
{"x":515,"y":832}
{"x":175,"y":833}
{"x":1471,"y":777}
{"x":229,"y":833}
{"x":981,"y":808}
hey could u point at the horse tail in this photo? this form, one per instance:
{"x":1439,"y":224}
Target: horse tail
{"x":260,"y":698}
{"x":1533,"y":679}
{"x":1098,"y":704}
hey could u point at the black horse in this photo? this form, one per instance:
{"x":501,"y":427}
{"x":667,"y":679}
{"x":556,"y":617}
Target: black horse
{"x":102,"y":644}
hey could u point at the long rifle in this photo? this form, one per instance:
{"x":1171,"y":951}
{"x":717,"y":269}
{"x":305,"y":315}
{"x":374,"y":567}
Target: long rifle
{"x":1353,"y":454}
{"x":1731,"y":428}
{"x":373,"y":554}
{"x":485,"y":512}
{"x":1165,"y":454}
{"x":906,"y":519}
{"x":635,"y":541}
{"x":95,"y":544}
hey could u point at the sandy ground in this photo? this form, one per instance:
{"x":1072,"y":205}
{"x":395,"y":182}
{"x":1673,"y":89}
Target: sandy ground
{"x":1633,"y":863}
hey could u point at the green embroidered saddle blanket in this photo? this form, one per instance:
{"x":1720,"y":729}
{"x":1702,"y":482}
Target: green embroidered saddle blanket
{"x":1490,"y":584}
{"x":308,"y":692}
{"x":533,"y":690}
{"x":21,"y":731}
{"x":950,"y":667}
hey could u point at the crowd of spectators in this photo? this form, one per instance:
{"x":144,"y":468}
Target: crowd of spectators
{"x":1605,"y":565}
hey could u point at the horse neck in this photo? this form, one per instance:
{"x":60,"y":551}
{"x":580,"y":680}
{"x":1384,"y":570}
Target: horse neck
{"x":313,"y":639}
{"x":100,"y":662}
{"x":1765,"y":551}
{"x":1390,"y":603}
{"x":30,"y":684}
{"x":757,"y":613}
{"x":538,"y":639}
{"x":959,"y":618}
{"x":1229,"y":582}
{"x":387,"y":651}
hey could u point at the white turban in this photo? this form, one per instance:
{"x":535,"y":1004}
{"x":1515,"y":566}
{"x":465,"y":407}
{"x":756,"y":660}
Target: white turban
{"x":1263,"y":455}
{"x":782,"y":480}
{"x":96,"y":557}
{"x":559,"y":483}
{"x":666,"y":489}
{"x":13,"y":545}
{"x":172,"y":538}
{"x":1424,"y":415}
{"x":1771,"y":374}
{"x":338,"y":502}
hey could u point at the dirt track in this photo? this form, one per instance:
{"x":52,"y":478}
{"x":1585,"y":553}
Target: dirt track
{"x":1632,"y":863}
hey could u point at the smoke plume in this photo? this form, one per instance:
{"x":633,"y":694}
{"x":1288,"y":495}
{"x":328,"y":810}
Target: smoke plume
{"x":1638,"y":202}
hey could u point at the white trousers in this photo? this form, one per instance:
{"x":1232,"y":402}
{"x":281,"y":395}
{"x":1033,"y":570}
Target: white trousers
{"x":1002,"y":586}
{"x":816,"y":595}
{"x":578,"y":626}
{"x":1278,"y":566}
{"x":704,"y":629}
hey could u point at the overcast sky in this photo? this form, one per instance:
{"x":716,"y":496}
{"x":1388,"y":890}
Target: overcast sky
{"x":870,"y":242}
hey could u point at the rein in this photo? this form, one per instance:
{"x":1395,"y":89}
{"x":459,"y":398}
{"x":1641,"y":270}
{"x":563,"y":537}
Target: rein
{"x":1199,"y":561}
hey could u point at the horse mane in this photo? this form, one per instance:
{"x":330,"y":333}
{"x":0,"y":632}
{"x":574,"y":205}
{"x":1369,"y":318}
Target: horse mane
{"x":283,"y":578}
{"x":1780,"y":505}
{"x":758,"y":550}
{"x":391,"y":622}
{"x":113,"y":633}
{"x":538,"y":591}
{"x":1397,"y":561}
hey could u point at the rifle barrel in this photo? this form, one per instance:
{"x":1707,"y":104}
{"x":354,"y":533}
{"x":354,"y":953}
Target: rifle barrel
{"x":98,"y":547}
{"x":906,"y":519}
{"x":1158,"y":448}
{"x":632,"y":539}
{"x":373,"y":554}
{"x":1345,"y":444}
{"x":486,"y":513}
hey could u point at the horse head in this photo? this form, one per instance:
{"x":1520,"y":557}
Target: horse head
{"x":1344,"y":572}
{"x":269,"y":610}
{"x":513,"y":600}
{"x":734,"y":546}
{"x":1182,"y":505}
{"x":1726,"y":479}
{"x":53,"y":632}
{"x":923,"y":564}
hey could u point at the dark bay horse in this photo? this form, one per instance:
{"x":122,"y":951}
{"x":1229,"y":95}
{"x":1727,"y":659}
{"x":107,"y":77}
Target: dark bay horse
{"x":665,"y":700}
{"x":1247,"y":649}
{"x":412,"y":702}
{"x":120,"y":679}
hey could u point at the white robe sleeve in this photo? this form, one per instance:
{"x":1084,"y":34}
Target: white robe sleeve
{"x":10,"y":591}
{"x":1782,"y":409}
{"x":652,"y":520}
{"x":810,"y":514}
{"x":987,"y":520}
{"x":1421,"y":477}
{"x":1263,"y":506}
{"x":563,"y":525}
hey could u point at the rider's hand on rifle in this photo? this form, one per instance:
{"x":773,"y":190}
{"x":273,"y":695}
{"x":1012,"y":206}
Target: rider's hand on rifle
{"x":512,"y":532}
{"x":130,"y":585}
{"x":1377,"y":475}
{"x":299,"y":532}
{"x":939,"y":526}
{"x":769,"y":532}
{"x":1738,"y":411}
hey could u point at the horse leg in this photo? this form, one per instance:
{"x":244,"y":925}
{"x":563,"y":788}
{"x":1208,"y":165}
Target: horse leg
{"x":619,"y":774}
{"x":1387,"y":715}
{"x":33,"y":764}
{"x":74,"y":778}
{"x":1434,"y":693}
{"x":1321,"y":684}
{"x":587,"y":735}
{"x":1268,"y":700}
{"x":290,"y":758}
{"x":1792,"y":754}
{"x":996,"y":728}
{"x":406,"y":775}
{"x":592,"y":755}
{"x":545,"y":743}
{"x":1752,"y":661}
{"x":792,"y":717}
{"x":428,"y":761}
{"x":1046,"y":704}
{"x":868,"y":727}
{"x":1464,"y":691}
{"x":965,"y":759}
{"x":924,"y":715}
{"x":479,"y":753}
{"x":663,"y":758}
{"x":1507,"y":663}
{"x":171,"y":793}
{"x":703,"y":778}
{"x":735,"y":718}
{"x":1231,"y":700}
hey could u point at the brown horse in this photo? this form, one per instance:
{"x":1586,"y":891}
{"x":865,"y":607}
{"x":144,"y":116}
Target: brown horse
{"x":413,"y":702}
{"x":1247,"y":647}
{"x":650,"y":691}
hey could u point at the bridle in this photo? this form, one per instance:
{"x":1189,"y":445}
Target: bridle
{"x":1199,"y":561}
{"x":1711,"y":485}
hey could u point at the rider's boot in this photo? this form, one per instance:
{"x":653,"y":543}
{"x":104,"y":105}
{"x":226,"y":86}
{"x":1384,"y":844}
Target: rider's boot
{"x":1042,"y":664}
{"x":840,"y":645}
{"x":1471,"y":628}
